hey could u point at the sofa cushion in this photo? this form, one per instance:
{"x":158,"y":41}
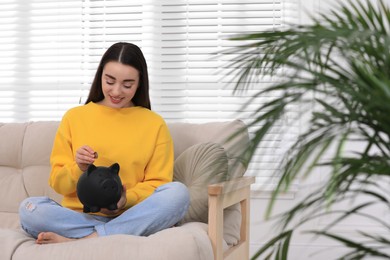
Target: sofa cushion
{"x":186,"y":135}
{"x":11,"y":240}
{"x":37,"y":143}
{"x":197,"y":167}
{"x":11,"y":139}
{"x":189,"y":242}
{"x":12,"y":190}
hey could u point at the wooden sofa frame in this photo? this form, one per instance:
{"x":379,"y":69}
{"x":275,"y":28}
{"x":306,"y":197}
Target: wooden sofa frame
{"x":221,"y":196}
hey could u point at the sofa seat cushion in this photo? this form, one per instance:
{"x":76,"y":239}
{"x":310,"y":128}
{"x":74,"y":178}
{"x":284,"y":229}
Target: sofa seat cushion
{"x":11,"y":240}
{"x":188,"y":242}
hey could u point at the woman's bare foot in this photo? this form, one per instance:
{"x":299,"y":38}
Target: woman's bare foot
{"x":51,"y":238}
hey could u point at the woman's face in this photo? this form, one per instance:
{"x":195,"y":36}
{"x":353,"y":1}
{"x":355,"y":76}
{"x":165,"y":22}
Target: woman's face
{"x":119,"y":84}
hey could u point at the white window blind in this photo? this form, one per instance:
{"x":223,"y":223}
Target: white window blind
{"x":40,"y":58}
{"x":50,"y":49}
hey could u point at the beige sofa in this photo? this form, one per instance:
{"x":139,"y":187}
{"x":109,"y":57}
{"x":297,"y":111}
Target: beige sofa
{"x":24,"y":168}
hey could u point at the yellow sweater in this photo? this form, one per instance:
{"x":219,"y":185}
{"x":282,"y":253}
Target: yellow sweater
{"x":135,"y":137}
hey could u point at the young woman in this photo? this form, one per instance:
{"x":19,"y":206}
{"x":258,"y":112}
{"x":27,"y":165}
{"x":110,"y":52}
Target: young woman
{"x":115,"y":125}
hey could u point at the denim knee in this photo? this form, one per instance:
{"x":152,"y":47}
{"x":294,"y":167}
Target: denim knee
{"x":179,"y":195}
{"x":182,"y":191}
{"x":28,"y":214}
{"x":28,"y":206}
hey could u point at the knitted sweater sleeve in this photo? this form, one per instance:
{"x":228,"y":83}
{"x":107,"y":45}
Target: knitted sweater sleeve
{"x":64,"y":172}
{"x":158,"y":171}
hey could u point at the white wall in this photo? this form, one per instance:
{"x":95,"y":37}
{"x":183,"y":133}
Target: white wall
{"x":304,"y":246}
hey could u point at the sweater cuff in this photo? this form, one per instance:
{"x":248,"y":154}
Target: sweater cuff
{"x":132,"y":198}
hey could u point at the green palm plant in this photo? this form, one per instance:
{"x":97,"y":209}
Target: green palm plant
{"x":340,"y":66}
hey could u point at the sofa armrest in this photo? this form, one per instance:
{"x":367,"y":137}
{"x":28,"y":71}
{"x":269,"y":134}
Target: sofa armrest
{"x":221,"y":196}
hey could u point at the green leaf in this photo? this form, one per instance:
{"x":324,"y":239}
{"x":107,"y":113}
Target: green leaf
{"x":282,"y":239}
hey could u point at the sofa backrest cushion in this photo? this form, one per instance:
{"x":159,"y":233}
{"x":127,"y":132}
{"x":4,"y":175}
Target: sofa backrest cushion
{"x":186,"y":135}
{"x":24,"y":165}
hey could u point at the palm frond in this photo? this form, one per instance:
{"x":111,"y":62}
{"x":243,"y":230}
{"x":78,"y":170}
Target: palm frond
{"x":359,"y":249}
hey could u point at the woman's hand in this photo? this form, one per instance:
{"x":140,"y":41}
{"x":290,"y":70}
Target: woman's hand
{"x":85,"y":156}
{"x":121,"y":204}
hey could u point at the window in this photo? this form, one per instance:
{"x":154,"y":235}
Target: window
{"x":49,"y":51}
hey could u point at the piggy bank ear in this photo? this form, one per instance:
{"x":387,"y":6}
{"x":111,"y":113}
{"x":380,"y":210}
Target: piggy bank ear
{"x":115,"y":168}
{"x":90,"y":169}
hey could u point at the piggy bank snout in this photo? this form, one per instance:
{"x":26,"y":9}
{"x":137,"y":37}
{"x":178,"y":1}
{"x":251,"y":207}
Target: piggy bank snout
{"x":110,"y":185}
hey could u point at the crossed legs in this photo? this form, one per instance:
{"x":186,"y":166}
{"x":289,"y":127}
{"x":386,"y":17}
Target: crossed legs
{"x":49,"y":222}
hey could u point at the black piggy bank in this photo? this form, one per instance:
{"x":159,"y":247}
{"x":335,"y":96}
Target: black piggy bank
{"x":99,"y":187}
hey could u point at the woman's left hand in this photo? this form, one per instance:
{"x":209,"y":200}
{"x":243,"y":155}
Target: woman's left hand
{"x":121,"y":204}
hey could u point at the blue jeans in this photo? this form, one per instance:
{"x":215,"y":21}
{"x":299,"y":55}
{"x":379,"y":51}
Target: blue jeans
{"x":163,"y":209}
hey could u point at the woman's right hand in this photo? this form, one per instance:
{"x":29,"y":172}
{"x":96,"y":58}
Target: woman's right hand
{"x":85,"y":156}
